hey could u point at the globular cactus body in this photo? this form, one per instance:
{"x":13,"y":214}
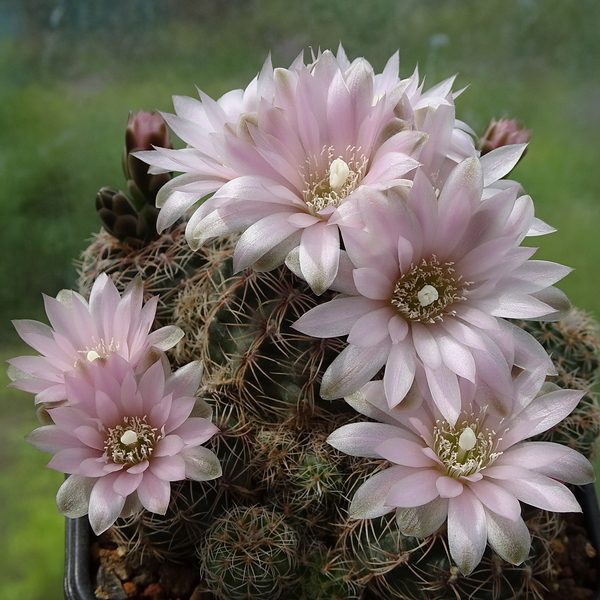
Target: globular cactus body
{"x":275,"y":524}
{"x":249,"y":553}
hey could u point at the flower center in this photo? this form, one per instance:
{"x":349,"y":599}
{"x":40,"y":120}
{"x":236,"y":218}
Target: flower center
{"x":100,"y":350}
{"x":466,"y":448}
{"x":426,"y":291}
{"x":132,"y":442}
{"x":329,"y":181}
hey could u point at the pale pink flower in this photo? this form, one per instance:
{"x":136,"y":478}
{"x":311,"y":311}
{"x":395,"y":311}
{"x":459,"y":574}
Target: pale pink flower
{"x":430,"y":282}
{"x":202,"y":125}
{"x":317,"y":135}
{"x":472,"y":473}
{"x":449,"y":141}
{"x":81,"y":332}
{"x":124,"y":437}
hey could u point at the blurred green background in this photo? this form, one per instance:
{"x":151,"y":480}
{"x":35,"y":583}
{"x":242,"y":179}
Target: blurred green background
{"x":71,"y":70}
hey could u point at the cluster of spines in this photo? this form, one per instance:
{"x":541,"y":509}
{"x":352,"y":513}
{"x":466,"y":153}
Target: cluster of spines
{"x":172,"y":536}
{"x":166,"y":265}
{"x":393,"y":566}
{"x":325,"y":574}
{"x":573,"y":344}
{"x":239,"y":326}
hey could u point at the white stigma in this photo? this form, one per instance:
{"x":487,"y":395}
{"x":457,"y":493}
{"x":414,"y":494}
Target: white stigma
{"x":100,"y":349}
{"x":92,"y":355}
{"x":427,"y":295}
{"x":131,"y":442}
{"x":467,"y":448}
{"x":467,"y":439}
{"x":129,"y":438}
{"x":338,"y":174}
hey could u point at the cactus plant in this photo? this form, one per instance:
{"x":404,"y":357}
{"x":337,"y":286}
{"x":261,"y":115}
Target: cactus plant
{"x":356,"y":241}
{"x":276,"y":524}
{"x":262,"y":381}
{"x":249,"y":552}
{"x":398,"y":566}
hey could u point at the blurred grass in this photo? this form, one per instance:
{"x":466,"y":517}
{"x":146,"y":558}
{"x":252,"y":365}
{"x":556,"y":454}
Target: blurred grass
{"x":64,"y":104}
{"x":31,"y":529}
{"x":66,"y":94}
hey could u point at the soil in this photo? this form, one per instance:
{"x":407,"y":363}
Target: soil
{"x":573,"y":574}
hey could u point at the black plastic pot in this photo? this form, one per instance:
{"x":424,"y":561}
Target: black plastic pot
{"x":78,"y":579}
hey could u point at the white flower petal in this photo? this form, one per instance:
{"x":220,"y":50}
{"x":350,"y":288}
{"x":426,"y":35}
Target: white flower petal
{"x":415,"y":489}
{"x":319,"y":256}
{"x":185,"y":381}
{"x":426,"y":346}
{"x":352,"y":368}
{"x":423,"y":521}
{"x":165,"y":337}
{"x":510,"y":539}
{"x":457,"y":357}
{"x":547,"y":410}
{"x":467,"y":531}
{"x":371,"y":328}
{"x":334,"y":318}
{"x":399,"y":373}
{"x":105,"y":504}
{"x":445,"y":391}
{"x":493,"y":496}
{"x":500,"y":162}
{"x":550,"y":459}
{"x":278,"y":254}
{"x":373,"y":284}
{"x":261,"y":237}
{"x":369,"y":500}
{"x":542,"y":492}
{"x":558,"y":302}
{"x":402,"y":451}
{"x":201,"y":464}
{"x":73,"y":496}
{"x":361,"y":439}
{"x":448,"y":487}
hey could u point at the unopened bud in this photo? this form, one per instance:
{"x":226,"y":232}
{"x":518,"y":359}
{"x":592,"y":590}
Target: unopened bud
{"x":503,"y":133}
{"x":145,"y":130}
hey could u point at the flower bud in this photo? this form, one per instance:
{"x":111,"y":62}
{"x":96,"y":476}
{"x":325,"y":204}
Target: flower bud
{"x":145,"y":130}
{"x":502,"y":133}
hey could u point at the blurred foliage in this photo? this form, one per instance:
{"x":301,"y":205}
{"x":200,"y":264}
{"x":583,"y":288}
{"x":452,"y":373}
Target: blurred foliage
{"x":71,"y":70}
{"x":31,"y":529}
